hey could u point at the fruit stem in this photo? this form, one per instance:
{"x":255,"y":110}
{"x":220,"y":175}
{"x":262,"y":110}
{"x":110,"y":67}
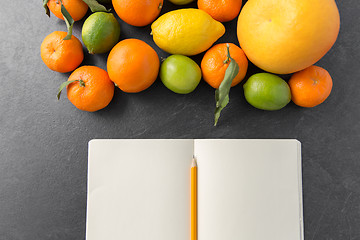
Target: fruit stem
{"x":81,"y":83}
{"x":160,"y":6}
{"x":315,"y":81}
{"x":227,"y":60}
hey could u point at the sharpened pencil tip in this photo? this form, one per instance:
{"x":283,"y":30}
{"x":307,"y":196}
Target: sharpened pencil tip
{"x":194,"y":163}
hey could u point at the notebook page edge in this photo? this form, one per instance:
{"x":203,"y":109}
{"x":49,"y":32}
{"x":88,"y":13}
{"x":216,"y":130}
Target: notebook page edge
{"x":95,"y":144}
{"x":301,"y":207}
{"x":298,"y":164}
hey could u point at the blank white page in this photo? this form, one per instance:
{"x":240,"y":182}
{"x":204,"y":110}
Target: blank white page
{"x":139,"y":189}
{"x":249,"y":189}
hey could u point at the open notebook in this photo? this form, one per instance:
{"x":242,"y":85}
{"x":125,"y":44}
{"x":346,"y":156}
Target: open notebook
{"x":247,"y":189}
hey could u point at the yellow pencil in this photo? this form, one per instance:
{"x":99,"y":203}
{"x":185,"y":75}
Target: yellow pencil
{"x":194,"y":200}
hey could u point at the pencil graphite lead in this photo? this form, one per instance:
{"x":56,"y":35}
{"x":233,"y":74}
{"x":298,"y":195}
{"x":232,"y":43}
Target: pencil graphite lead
{"x":194,"y":163}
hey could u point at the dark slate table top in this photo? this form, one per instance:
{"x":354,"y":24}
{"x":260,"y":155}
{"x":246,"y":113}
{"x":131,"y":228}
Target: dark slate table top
{"x":43,"y":142}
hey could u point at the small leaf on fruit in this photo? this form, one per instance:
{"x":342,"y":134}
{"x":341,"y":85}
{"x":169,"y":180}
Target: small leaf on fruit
{"x":222,"y":93}
{"x":65,"y":84}
{"x":46,"y":7}
{"x":68,"y":20}
{"x":95,"y":6}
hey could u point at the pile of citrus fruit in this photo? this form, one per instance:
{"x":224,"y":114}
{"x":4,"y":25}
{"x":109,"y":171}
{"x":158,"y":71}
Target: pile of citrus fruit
{"x":280,"y":37}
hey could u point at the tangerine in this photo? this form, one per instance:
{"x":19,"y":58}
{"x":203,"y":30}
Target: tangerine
{"x":215,"y":63}
{"x":311,"y":86}
{"x":138,"y":12}
{"x":133,"y":65}
{"x":61,"y":55}
{"x":76,"y":8}
{"x":91,"y":90}
{"x":221,"y":10}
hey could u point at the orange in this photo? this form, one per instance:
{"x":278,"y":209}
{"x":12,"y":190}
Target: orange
{"x":310,"y":87}
{"x":213,"y":64}
{"x":61,"y":55}
{"x":221,"y":10}
{"x":76,"y":8}
{"x":93,"y":90}
{"x":282,"y":36}
{"x":133,"y":65}
{"x":138,"y":12}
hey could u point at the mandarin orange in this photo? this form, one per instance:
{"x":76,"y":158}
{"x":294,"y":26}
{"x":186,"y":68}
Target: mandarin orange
{"x":76,"y":8}
{"x":61,"y":55}
{"x":311,"y":86}
{"x":91,"y":90}
{"x":221,"y":10}
{"x":138,"y":12}
{"x":133,"y":65}
{"x":214,"y":64}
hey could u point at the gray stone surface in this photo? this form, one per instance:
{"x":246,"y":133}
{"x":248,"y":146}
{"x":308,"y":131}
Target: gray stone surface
{"x":43,"y":142}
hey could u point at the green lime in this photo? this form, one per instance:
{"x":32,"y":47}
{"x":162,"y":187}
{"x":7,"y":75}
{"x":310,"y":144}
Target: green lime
{"x":180,"y":74}
{"x":100,"y":32}
{"x":267,"y":91}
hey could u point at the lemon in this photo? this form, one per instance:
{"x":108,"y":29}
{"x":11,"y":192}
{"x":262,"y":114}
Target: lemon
{"x":186,"y":31}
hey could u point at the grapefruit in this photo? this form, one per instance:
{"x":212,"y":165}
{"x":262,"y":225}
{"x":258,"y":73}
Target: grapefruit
{"x":286,"y":36}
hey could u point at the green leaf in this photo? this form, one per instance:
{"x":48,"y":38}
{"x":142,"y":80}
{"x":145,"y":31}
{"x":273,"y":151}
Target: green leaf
{"x":219,"y":108}
{"x":222,"y":93}
{"x":65,"y":84}
{"x":95,"y":6}
{"x":46,"y":7}
{"x":68,"y":20}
